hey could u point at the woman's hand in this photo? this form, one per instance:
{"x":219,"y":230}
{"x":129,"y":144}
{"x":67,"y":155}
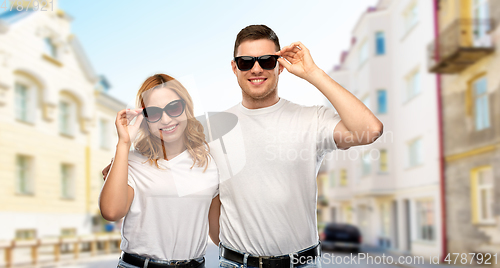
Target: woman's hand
{"x":126,"y":132}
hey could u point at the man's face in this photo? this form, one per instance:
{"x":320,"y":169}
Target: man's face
{"x":257,"y":83}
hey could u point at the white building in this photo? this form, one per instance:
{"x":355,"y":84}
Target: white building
{"x":56,"y":130}
{"x":391,"y":189}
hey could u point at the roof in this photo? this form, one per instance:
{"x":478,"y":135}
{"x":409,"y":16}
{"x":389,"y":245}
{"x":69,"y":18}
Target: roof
{"x":380,"y":6}
{"x":11,"y":17}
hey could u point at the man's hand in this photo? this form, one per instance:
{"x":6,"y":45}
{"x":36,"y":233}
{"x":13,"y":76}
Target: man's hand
{"x":298,"y":60}
{"x":105,"y":171}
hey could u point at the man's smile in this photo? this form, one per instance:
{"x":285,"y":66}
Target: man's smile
{"x":257,"y":80}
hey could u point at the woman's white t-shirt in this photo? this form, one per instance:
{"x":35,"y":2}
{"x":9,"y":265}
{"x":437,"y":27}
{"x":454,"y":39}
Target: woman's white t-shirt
{"x":168,"y":218}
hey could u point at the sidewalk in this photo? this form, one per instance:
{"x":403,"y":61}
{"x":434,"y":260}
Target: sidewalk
{"x":412,"y":261}
{"x":85,"y":260}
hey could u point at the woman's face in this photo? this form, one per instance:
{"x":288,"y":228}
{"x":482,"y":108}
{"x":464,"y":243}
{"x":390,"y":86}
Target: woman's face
{"x":170,"y":130}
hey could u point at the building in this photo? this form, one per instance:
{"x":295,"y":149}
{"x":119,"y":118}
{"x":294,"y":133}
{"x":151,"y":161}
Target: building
{"x":468,"y":63}
{"x":391,"y":188}
{"x":57,"y":127}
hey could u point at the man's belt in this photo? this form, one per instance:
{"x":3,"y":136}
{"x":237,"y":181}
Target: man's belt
{"x":272,"y":261}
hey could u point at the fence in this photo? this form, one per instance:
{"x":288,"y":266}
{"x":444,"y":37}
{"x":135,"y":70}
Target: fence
{"x":58,"y":246}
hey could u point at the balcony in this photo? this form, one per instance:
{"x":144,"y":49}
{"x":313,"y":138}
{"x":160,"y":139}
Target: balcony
{"x":461,"y":44}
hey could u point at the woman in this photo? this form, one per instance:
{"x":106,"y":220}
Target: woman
{"x":167,"y":187}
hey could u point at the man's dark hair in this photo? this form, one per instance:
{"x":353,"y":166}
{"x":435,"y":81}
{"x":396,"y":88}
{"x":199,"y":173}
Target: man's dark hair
{"x":256,"y":32}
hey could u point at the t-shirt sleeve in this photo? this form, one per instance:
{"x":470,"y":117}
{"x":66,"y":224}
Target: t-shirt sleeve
{"x":216,"y":192}
{"x":327,"y":121}
{"x":218,"y":179}
{"x":131,"y":180}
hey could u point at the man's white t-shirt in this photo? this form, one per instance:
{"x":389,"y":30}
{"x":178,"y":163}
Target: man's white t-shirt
{"x":269,"y":201}
{"x":168,"y":218}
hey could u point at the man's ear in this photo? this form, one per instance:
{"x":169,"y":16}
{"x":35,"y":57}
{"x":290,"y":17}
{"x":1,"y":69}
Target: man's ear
{"x":233,"y":65}
{"x":281,"y":67}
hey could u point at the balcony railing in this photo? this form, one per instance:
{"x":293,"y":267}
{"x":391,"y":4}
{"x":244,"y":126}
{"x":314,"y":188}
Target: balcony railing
{"x":461,"y":44}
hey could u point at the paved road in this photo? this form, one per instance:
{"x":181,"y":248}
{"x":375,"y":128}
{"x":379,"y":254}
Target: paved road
{"x":329,"y":260}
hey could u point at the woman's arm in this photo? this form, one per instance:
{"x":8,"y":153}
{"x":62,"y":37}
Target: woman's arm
{"x":116,"y":196}
{"x":213,"y":220}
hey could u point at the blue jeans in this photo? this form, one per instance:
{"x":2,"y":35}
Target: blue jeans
{"x":225,"y":263}
{"x":122,"y":264}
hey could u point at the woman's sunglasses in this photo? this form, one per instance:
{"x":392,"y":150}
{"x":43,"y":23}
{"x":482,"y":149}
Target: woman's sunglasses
{"x":173,"y":109}
{"x":246,"y":63}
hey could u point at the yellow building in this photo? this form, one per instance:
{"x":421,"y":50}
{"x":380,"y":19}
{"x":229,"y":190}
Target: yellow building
{"x":468,"y":61}
{"x":57,"y":128}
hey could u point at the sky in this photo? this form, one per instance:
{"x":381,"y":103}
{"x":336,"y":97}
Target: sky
{"x":127,"y":41}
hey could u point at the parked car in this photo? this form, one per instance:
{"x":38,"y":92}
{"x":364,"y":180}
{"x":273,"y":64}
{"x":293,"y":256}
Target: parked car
{"x":341,"y":236}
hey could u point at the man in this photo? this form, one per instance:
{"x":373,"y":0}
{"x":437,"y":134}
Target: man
{"x":268,"y":207}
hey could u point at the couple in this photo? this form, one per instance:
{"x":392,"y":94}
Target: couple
{"x":267,"y":209}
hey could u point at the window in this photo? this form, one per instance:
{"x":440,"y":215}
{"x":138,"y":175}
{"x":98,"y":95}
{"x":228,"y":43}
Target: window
{"x":24,"y":175}
{"x":366,"y":164}
{"x":383,"y":161}
{"x":483,"y":197}
{"x":348,"y":214}
{"x":410,"y":17}
{"x":25,"y":234}
{"x":333,"y":214}
{"x":363,"y":53}
{"x":103,"y":133}
{"x":332,"y":179}
{"x":481,"y":107}
{"x":415,"y":153}
{"x":50,"y":48}
{"x":379,"y":43}
{"x":343,"y":177}
{"x":412,"y":85}
{"x":382,"y":101}
{"x":23,"y":102}
{"x":481,"y":13}
{"x":385,"y":217}
{"x":66,"y":118}
{"x":67,"y":181}
{"x":425,"y":220}
{"x":485,"y":194}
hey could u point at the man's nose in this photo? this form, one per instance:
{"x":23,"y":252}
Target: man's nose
{"x":256,"y":69}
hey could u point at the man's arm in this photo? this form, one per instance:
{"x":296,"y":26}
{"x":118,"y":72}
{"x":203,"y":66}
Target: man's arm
{"x":213,"y":220}
{"x":358,"y":125}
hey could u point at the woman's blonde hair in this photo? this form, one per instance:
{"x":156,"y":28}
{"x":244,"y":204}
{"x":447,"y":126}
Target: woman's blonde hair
{"x":194,"y":139}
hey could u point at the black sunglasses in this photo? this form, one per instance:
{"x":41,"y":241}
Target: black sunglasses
{"x":173,"y":109}
{"x":246,"y":63}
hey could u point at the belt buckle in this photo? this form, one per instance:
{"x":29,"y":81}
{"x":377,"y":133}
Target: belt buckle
{"x":262,"y":258}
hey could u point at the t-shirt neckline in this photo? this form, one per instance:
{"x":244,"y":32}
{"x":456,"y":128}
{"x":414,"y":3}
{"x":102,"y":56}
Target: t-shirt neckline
{"x":169,"y":162}
{"x":175,"y":159}
{"x":264,"y":110}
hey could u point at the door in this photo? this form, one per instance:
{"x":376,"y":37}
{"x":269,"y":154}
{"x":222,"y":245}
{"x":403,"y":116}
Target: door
{"x":481,"y":23}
